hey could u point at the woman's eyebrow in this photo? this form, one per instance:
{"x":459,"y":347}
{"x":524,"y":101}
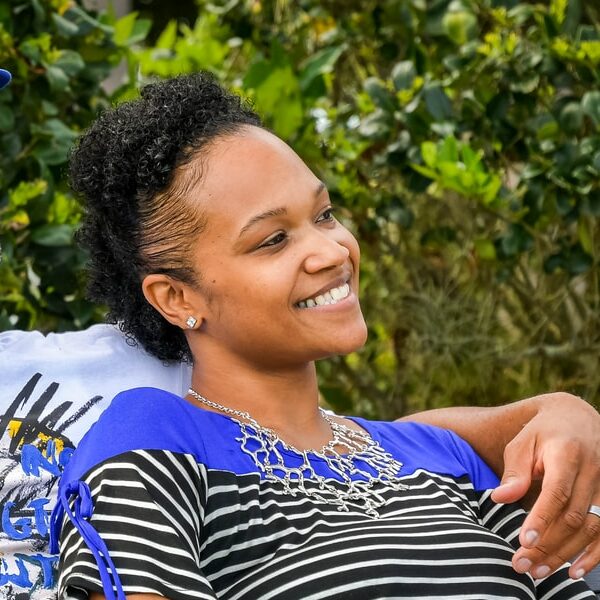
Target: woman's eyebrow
{"x":276,"y":212}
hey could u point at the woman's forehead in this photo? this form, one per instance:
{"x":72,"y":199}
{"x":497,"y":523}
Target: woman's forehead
{"x":250,"y":171}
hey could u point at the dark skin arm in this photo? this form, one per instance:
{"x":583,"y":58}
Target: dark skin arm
{"x":548,"y":445}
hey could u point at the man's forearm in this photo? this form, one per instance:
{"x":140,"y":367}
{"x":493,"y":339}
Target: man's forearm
{"x":487,"y":429}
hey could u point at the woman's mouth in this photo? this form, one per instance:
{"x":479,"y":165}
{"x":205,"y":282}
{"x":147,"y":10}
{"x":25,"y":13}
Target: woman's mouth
{"x":332,"y":296}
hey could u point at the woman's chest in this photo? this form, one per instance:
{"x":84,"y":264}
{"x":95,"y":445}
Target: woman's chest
{"x":259,"y":542}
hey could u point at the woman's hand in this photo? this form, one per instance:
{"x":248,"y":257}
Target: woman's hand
{"x":552,"y":439}
{"x":560,"y":446}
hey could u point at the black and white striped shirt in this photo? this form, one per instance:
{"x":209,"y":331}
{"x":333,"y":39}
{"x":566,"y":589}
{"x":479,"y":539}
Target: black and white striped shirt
{"x":185,"y":514}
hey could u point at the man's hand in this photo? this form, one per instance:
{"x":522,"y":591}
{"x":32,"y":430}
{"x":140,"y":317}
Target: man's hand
{"x":552,"y":439}
{"x":561,"y":446}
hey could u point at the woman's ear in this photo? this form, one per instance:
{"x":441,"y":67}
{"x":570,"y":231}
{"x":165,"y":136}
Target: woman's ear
{"x":174,"y":300}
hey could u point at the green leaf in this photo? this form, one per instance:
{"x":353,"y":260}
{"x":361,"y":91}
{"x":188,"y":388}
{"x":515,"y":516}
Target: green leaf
{"x":57,"y":78}
{"x":485,"y":249}
{"x":590,"y":204}
{"x":55,"y":140}
{"x":53,"y":235}
{"x":85,"y":21}
{"x":437,"y":102}
{"x":318,"y":64}
{"x":130,"y":30}
{"x":516,"y":241}
{"x":429,"y":153}
{"x":16,"y":220}
{"x":492,"y":189}
{"x":7,"y":118}
{"x":375,"y":126}
{"x":140,"y":32}
{"x":449,"y":150}
{"x":403,"y":75}
{"x":571,"y":117}
{"x":277,"y":94}
{"x":379,"y":93}
{"x":49,"y":109}
{"x":590,"y":103}
{"x":460,"y":26}
{"x":337,"y":399}
{"x":168,"y":36}
{"x":26,"y":191}
{"x":124,"y":28}
{"x":429,"y":173}
{"x":525,"y":84}
{"x":64,"y":26}
{"x":70,"y":62}
{"x":578,"y":261}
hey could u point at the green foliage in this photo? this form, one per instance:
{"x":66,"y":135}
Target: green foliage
{"x":460,"y":138}
{"x":59,"y":55}
{"x":463,"y":138}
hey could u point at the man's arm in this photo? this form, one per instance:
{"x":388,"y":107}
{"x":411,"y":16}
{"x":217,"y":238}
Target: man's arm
{"x":552,"y":438}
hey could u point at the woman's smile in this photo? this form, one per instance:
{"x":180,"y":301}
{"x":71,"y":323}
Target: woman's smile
{"x":330,"y":294}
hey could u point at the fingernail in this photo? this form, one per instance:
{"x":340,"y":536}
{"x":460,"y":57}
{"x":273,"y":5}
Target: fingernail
{"x":531,"y":536}
{"x":541,"y":571}
{"x":579,"y":573}
{"x":523,"y":565}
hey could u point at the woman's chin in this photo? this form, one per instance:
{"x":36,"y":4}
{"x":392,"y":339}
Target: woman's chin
{"x":349,"y":343}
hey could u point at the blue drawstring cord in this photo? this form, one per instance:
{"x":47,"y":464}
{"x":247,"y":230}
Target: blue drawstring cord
{"x":84,"y":508}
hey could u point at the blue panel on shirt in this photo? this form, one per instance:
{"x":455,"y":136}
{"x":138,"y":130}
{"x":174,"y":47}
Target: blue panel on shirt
{"x":152,"y":419}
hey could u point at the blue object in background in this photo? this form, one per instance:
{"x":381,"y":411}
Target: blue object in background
{"x":5,"y":78}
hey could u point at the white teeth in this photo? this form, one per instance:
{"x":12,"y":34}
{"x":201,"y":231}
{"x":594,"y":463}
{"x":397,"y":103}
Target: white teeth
{"x":332,"y":296}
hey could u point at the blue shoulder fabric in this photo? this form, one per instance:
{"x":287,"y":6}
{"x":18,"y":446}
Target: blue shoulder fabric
{"x":420,"y":446}
{"x":139,"y":419}
{"x":152,"y":419}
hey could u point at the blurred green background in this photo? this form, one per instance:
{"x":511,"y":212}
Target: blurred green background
{"x":460,"y":139}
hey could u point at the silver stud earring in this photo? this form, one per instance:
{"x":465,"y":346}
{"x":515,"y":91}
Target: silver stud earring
{"x":191,"y":322}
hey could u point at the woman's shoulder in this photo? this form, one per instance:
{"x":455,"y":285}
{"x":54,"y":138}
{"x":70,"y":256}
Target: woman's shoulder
{"x":431,"y":448}
{"x":141,"y":418}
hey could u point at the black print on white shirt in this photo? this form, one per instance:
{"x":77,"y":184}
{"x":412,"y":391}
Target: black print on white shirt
{"x":34,"y":450}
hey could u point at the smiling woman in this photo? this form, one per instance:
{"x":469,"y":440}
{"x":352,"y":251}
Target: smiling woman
{"x":211,"y":239}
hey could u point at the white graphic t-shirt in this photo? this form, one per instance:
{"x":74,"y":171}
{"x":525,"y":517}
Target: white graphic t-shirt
{"x":52,"y":388}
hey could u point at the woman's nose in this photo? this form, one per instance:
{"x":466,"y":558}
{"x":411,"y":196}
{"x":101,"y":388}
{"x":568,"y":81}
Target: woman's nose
{"x":325,"y":252}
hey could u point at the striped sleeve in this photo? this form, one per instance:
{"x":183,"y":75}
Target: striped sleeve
{"x":148,"y":510}
{"x":506,"y":520}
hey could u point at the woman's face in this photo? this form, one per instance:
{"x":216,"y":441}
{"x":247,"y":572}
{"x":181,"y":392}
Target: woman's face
{"x":279,"y":273}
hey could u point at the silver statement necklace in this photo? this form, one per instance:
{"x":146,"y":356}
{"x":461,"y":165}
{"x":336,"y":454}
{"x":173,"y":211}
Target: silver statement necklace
{"x":354,"y":456}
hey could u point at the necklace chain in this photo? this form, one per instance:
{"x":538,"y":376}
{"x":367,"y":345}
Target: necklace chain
{"x":356,"y":460}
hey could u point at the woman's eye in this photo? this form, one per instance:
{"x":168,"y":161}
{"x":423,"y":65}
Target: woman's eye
{"x":327,"y":215}
{"x":275,"y":240}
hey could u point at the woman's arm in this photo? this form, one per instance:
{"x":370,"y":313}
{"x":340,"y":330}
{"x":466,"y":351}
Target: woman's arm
{"x":554,"y":438}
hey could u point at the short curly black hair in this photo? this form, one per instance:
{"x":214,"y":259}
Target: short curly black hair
{"x":136,"y":219}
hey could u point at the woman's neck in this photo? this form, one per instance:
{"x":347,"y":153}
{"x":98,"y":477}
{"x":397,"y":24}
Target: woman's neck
{"x":282,"y":399}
